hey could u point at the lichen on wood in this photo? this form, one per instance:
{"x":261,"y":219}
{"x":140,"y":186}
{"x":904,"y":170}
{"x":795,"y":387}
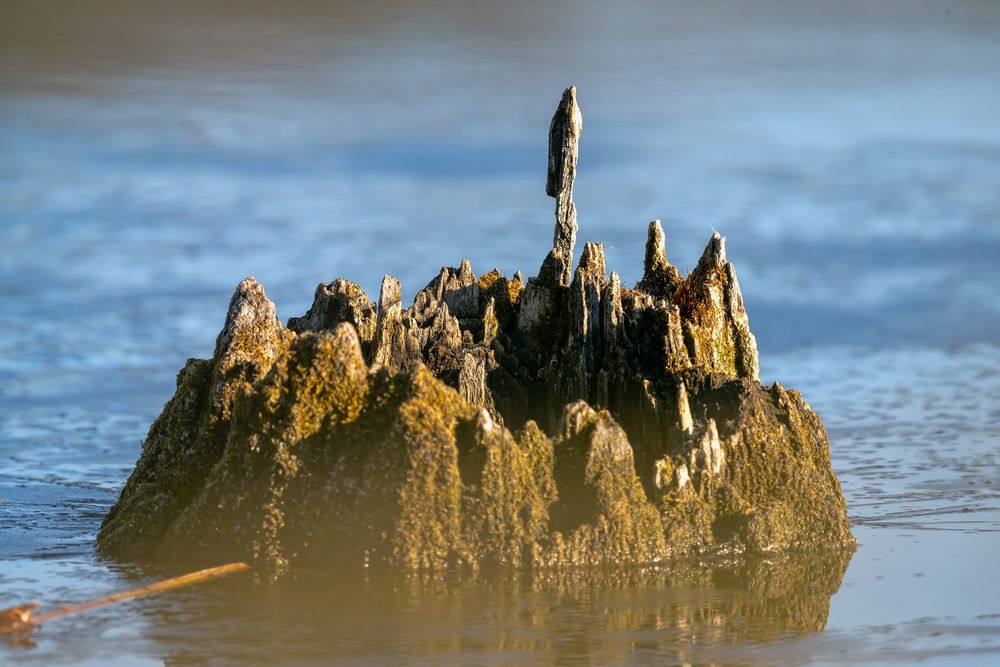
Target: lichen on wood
{"x":566,"y":420}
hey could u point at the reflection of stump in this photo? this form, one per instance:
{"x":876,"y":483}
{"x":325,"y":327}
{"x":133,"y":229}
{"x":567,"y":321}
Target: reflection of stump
{"x":738,"y":599}
{"x":365,"y":433}
{"x":682,"y":612}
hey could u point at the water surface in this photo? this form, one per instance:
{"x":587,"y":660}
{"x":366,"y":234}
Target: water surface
{"x":154,"y":154}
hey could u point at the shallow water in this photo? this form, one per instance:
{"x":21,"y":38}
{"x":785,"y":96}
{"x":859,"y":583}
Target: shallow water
{"x":154,"y":157}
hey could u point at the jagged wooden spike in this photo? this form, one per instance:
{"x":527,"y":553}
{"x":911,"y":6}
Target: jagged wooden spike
{"x":388,"y":295}
{"x":564,"y":151}
{"x":656,"y":256}
{"x":592,"y":260}
{"x":659,"y":278}
{"x":715,"y":252}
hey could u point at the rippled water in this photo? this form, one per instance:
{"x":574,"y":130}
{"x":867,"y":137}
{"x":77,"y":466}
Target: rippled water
{"x":154,"y":155}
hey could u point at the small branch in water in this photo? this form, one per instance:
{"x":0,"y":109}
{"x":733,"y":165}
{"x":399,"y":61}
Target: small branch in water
{"x":22,"y":618}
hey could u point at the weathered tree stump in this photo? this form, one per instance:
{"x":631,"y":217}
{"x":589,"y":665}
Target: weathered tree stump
{"x":368,"y":434}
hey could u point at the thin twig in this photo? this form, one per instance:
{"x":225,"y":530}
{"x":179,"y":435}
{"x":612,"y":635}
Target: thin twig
{"x":18,"y":619}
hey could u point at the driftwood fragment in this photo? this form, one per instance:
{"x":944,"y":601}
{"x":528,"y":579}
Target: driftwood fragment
{"x":22,"y":619}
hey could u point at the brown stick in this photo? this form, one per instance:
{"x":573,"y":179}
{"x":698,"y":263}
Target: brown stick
{"x":21,"y":617}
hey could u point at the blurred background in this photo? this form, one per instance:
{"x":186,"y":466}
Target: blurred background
{"x":168,"y":149}
{"x":152,"y":154}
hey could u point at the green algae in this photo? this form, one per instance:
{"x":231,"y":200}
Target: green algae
{"x":328,"y":463}
{"x":167,"y":472}
{"x":320,"y":380}
{"x":504,"y":496}
{"x":189,"y":437}
{"x":602,"y":515}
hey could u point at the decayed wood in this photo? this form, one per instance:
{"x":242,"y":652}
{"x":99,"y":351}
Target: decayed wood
{"x":564,"y":151}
